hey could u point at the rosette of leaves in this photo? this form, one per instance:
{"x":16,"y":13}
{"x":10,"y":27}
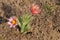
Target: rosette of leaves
{"x":24,"y":22}
{"x":49,"y":8}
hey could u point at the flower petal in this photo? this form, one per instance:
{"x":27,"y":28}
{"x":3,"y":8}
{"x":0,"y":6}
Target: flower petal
{"x":9,"y":23}
{"x":10,"y":19}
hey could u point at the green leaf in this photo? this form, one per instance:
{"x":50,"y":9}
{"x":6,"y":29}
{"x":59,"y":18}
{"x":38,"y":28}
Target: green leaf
{"x":24,"y":22}
{"x":47,"y":6}
{"x":27,"y":27}
{"x":21,"y":21}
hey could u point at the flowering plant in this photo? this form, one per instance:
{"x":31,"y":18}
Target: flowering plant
{"x":12,"y":22}
{"x":34,"y":9}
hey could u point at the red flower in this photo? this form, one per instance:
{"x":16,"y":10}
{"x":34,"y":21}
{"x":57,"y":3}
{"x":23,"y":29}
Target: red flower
{"x":34,"y":9}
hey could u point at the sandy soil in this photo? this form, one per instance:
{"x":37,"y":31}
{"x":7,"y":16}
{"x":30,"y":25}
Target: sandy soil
{"x":42,"y":27}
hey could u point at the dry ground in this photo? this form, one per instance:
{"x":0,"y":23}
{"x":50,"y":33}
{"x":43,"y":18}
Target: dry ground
{"x":42,"y":27}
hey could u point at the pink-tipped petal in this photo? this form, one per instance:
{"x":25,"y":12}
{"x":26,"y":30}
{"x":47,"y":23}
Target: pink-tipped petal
{"x":15,"y":25}
{"x":10,"y":19}
{"x":9,"y":23}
